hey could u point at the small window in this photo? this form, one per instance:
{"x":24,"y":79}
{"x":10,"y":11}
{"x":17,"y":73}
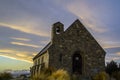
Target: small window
{"x":35,"y":62}
{"x":39,"y":61}
{"x":78,"y":32}
{"x":42,"y":60}
{"x":58,"y":30}
{"x":60,"y":57}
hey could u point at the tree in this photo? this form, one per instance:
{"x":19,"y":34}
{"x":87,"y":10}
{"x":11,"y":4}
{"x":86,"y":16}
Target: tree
{"x":111,"y":67}
{"x":119,"y":67}
{"x":5,"y":76}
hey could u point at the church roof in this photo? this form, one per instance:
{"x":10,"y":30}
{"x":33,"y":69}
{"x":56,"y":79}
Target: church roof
{"x":43,"y":50}
{"x":67,"y":30}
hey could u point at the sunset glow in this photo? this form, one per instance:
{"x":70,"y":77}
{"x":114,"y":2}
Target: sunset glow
{"x":25,"y":27}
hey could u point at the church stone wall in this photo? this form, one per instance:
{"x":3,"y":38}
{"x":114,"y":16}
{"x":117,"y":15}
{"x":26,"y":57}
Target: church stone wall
{"x":77,"y":38}
{"x":64,"y":45}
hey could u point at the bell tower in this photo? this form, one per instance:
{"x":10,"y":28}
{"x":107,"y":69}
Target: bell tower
{"x":57,"y":29}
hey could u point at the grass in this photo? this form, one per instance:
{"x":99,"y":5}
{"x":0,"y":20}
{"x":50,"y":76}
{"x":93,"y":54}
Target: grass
{"x":50,"y":75}
{"x":101,"y":76}
{"x":61,"y":74}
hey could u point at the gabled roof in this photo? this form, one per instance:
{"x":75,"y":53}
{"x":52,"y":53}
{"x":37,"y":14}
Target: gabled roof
{"x":43,"y":50}
{"x":77,"y":21}
{"x":68,"y":29}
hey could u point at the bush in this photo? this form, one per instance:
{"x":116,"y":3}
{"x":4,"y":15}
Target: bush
{"x":43,"y":74}
{"x":5,"y":76}
{"x":59,"y":75}
{"x":101,"y":76}
{"x":48,"y":74}
{"x":116,"y":75}
{"x":111,"y":67}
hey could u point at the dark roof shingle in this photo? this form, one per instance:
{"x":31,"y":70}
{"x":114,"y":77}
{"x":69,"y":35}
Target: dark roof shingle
{"x":43,"y":50}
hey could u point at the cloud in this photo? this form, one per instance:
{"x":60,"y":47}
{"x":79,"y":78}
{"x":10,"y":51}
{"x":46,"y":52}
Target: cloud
{"x":8,"y":56}
{"x":99,"y":19}
{"x":118,"y":53}
{"x":30,"y":24}
{"x":108,"y":59}
{"x":27,"y":46}
{"x":24,"y":44}
{"x":113,"y":54}
{"x":44,"y":42}
{"x":6,"y":51}
{"x":113,"y":50}
{"x":110,"y":44}
{"x":10,"y":35}
{"x":19,"y":15}
{"x":18,"y":55}
{"x":87,"y":16}
{"x":11,"y":57}
{"x":34,"y":54}
{"x":21,"y":39}
{"x":26,"y":29}
{"x":21,"y":55}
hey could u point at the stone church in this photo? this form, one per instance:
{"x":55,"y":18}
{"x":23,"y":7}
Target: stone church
{"x":74,"y":50}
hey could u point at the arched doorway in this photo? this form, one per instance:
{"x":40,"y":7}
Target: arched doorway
{"x":77,"y":63}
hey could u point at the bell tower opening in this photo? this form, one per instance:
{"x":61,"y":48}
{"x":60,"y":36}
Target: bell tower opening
{"x":77,"y":63}
{"x":57,"y":30}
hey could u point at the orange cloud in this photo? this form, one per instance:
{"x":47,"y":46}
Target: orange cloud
{"x":17,"y":55}
{"x":11,"y":57}
{"x":24,"y":44}
{"x":31,"y":29}
{"x":21,"y":39}
{"x":109,"y":44}
{"x":6,"y":51}
{"x":21,"y":55}
{"x":8,"y":56}
{"x":34,"y":54}
{"x":118,"y":53}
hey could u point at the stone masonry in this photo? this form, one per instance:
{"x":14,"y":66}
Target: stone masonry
{"x":74,"y":50}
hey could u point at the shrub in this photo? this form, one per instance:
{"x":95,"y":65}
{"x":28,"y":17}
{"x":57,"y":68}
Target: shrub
{"x":48,"y":74}
{"x":44,"y":74}
{"x":112,"y":67}
{"x":5,"y":76}
{"x":116,"y":75}
{"x":59,"y":75}
{"x":101,"y":76}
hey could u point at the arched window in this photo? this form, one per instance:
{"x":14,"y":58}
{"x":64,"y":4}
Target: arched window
{"x":77,"y":63}
{"x":57,"y":30}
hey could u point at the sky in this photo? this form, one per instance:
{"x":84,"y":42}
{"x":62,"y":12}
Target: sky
{"x":25,"y":27}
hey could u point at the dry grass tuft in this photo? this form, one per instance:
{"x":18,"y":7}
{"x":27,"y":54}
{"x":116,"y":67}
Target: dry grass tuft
{"x":59,"y":75}
{"x":101,"y":76}
{"x":50,"y":75}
